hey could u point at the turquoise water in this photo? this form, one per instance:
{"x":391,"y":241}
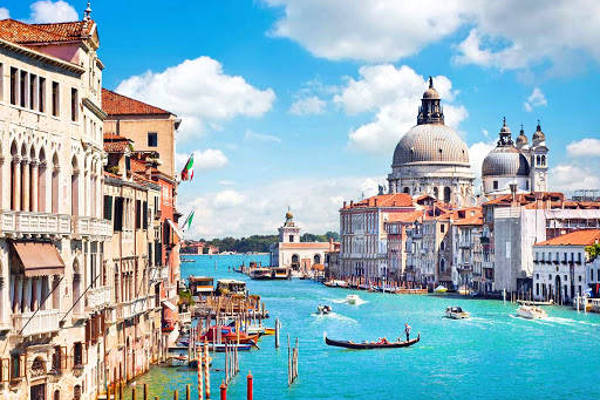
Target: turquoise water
{"x":492,"y":356}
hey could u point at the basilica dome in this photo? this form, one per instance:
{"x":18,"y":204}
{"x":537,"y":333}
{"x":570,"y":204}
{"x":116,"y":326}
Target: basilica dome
{"x":505,"y":161}
{"x":435,"y":143}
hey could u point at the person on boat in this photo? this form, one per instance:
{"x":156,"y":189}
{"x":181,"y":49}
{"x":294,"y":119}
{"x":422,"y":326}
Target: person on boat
{"x":407,"y":331}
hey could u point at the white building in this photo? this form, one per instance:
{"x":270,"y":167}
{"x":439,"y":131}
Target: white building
{"x":52,"y":296}
{"x":291,"y":252}
{"x":522,"y":165}
{"x":562,"y":269}
{"x":431,"y":158}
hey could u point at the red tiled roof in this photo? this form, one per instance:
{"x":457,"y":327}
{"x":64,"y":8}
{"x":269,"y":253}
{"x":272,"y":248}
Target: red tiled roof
{"x":526,"y":198}
{"x":405,"y":217}
{"x":384,"y":200}
{"x":30,"y":34}
{"x":115,"y":147}
{"x":584,"y":237}
{"x":116,"y":104}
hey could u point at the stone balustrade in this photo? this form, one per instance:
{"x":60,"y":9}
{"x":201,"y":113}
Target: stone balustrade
{"x":98,"y":298}
{"x":87,"y":226}
{"x":35,"y":223}
{"x":44,"y":321}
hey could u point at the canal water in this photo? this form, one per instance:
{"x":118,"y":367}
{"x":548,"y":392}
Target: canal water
{"x":494,"y":355}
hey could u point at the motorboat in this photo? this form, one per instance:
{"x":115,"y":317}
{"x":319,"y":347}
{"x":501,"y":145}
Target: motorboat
{"x":261,"y":273}
{"x":381,"y":344}
{"x":457,"y":313}
{"x":352,"y":299}
{"x":440,"y":289}
{"x":531,"y":312}
{"x":323,"y":309}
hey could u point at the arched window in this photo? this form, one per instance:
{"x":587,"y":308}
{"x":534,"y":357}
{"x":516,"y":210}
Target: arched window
{"x":317,"y":259}
{"x":436,"y":193}
{"x":538,"y":160}
{"x":74,"y":187}
{"x":447,"y":193}
{"x":442,"y":265}
{"x":33,"y":176}
{"x":15,"y":178}
{"x":54,"y":187}
{"x":406,"y":190}
{"x":543,"y":160}
{"x":42,"y":177}
{"x":56,"y":395}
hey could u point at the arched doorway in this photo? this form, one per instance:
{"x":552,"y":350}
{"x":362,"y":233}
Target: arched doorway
{"x":317,"y":259}
{"x":436,"y":193}
{"x":295,"y":262}
{"x":557,"y":289}
{"x":406,"y":190}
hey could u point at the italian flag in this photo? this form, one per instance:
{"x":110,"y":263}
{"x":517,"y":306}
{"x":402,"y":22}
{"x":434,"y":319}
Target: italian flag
{"x":188,"y":220}
{"x":187,"y":174}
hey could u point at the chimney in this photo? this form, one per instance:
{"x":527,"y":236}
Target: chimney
{"x":375,"y":202}
{"x":344,"y":204}
{"x":351,"y":203}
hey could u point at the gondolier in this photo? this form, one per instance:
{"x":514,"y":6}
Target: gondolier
{"x":407,"y":331}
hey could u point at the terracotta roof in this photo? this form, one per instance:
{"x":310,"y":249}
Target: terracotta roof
{"x":31,"y":34}
{"x":526,"y":198}
{"x":584,"y":237}
{"x":405,"y":217}
{"x":116,"y":147}
{"x":116,"y":104}
{"x":384,"y":200}
{"x":305,"y":245}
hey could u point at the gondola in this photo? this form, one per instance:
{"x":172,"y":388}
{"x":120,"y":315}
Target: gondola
{"x":370,"y":345}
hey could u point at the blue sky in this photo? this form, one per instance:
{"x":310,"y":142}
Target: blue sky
{"x":300,"y":102}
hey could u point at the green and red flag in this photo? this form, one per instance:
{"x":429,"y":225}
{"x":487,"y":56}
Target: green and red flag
{"x":187,"y":174}
{"x":188,"y":220}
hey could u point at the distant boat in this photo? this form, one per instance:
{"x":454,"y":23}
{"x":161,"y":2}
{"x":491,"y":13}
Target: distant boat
{"x":382,"y":344}
{"x":531,"y":312}
{"x":186,"y":260}
{"x":457,"y":313}
{"x":352,"y":299}
{"x":323,"y":309}
{"x":440,"y":289}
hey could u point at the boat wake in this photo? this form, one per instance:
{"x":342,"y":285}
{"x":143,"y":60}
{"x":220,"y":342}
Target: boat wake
{"x":570,"y":322}
{"x":357,"y":302}
{"x":335,"y":316}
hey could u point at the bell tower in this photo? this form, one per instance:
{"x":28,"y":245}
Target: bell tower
{"x":289,"y":232}
{"x":539,"y":161}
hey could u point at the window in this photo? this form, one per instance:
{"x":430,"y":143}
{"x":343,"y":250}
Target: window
{"x":78,"y":355}
{"x":42,"y":95}
{"x":152,"y":139}
{"x":14,"y":73}
{"x":118,"y":220}
{"x":291,"y":238}
{"x":55,"y":99}
{"x":145,"y":215}
{"x":138,"y":214}
{"x":442,"y":228}
{"x":127,"y":164}
{"x":495,"y":184}
{"x":32,"y":91}
{"x":74,"y":104}
{"x":23,"y":89}
{"x":527,"y":185}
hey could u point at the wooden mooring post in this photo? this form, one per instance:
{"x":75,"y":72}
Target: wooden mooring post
{"x":206,"y":362}
{"x":277,"y":333}
{"x":292,"y":362}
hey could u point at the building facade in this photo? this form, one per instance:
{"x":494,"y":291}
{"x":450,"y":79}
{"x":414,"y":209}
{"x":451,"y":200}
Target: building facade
{"x":54,"y":297}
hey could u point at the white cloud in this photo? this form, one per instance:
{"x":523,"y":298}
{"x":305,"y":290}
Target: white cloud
{"x":535,"y":99}
{"x":45,"y":11}
{"x":509,"y":34}
{"x":394,"y":95}
{"x":314,"y":202}
{"x":570,"y":177}
{"x":477,"y":152}
{"x":308,"y":105}
{"x":4,"y":13}
{"x":203,"y":159}
{"x":261,"y":137}
{"x":228,"y":199}
{"x":226,"y":183}
{"x":200,"y":92}
{"x":584,"y":147}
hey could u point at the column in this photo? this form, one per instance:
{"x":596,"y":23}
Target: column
{"x":16,"y":184}
{"x":17,"y":295}
{"x":25,"y":185}
{"x":34,"y":185}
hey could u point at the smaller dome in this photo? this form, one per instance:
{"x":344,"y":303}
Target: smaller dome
{"x":289,"y":215}
{"x":522,"y":138}
{"x":505,"y":161}
{"x":538,"y":135}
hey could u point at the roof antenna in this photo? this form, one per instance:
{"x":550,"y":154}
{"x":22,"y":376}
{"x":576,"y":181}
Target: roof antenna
{"x":430,"y":82}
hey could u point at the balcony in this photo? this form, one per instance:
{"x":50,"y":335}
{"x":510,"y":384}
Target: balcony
{"x":35,"y":223}
{"x":132,"y":308}
{"x":464,"y":244}
{"x":488,"y":265}
{"x":45,"y":321}
{"x":88,"y":226}
{"x":98,"y":298}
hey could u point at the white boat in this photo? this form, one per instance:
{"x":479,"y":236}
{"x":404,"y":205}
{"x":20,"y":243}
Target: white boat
{"x":323,"y":309}
{"x":352,"y":299}
{"x":531,"y":312}
{"x":457,"y":313}
{"x":440,"y":289}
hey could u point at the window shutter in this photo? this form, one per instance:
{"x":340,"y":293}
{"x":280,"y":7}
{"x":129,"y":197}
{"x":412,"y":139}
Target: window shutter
{"x":63,"y":358}
{"x":84,"y":350}
{"x":88,"y":328}
{"x":22,"y":365}
{"x":118,"y":220}
{"x":108,"y":202}
{"x":145,"y":219}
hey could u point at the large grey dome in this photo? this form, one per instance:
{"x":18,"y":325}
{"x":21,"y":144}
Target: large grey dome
{"x":505,"y":160}
{"x":435,"y":143}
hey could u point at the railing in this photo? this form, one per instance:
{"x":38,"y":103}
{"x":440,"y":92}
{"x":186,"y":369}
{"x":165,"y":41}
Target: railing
{"x":44,"y":321}
{"x":133,"y":308}
{"x":25,"y":222}
{"x":164,"y":273}
{"x":488,"y":264}
{"x":464,"y":244}
{"x":98,"y":298}
{"x":92,"y":226}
